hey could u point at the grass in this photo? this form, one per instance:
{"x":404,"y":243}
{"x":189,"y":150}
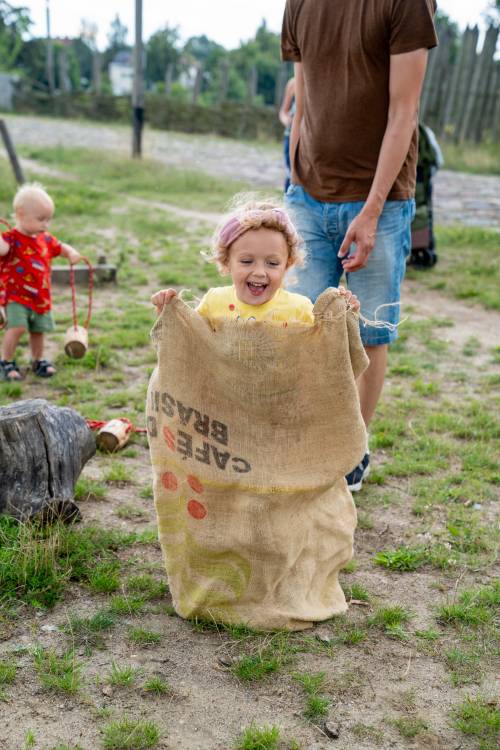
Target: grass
{"x":36,"y":563}
{"x":89,"y":489}
{"x":130,"y":734}
{"x":259,"y":738}
{"x":479,"y":718}
{"x":410,"y":726}
{"x":8,"y":670}
{"x":473,"y":607}
{"x":477,"y":158}
{"x":253,"y":667}
{"x":58,"y":672}
{"x":475,"y":279}
{"x":143,"y":637}
{"x":317,"y":705}
{"x":402,"y":559}
{"x":122,"y":675}
{"x":88,"y":631}
{"x":157,"y":686}
{"x":391,"y":620}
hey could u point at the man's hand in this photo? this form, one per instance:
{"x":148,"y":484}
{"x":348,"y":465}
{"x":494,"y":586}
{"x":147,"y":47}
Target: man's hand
{"x":162,"y":298}
{"x":361,"y":232}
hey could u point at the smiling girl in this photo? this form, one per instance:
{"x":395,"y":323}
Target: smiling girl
{"x":256,"y":244}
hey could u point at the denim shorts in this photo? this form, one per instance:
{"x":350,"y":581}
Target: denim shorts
{"x":323,"y":226}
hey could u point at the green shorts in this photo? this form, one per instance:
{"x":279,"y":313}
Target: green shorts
{"x":19,"y":316}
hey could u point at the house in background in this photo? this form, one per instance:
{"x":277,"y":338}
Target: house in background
{"x":121,"y":73}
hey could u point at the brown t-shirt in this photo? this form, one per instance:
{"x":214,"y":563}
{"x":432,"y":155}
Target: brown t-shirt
{"x":345,"y":47}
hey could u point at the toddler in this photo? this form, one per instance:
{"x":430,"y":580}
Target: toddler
{"x":256,"y":244}
{"x":26,"y":254}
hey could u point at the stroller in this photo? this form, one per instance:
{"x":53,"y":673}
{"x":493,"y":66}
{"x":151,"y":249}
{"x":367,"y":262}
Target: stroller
{"x":430,"y":159}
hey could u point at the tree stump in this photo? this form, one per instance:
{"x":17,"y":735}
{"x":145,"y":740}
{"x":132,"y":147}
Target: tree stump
{"x":43,"y":449}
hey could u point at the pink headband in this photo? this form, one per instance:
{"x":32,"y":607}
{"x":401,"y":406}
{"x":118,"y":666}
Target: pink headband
{"x":235,"y":227}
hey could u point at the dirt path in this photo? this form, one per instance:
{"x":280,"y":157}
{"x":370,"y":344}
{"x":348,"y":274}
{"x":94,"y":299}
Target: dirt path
{"x":464,"y":198}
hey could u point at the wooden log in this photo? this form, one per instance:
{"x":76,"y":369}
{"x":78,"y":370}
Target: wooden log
{"x":43,"y":449}
{"x":11,"y":153}
{"x":103,"y":272}
{"x":114,"y":435}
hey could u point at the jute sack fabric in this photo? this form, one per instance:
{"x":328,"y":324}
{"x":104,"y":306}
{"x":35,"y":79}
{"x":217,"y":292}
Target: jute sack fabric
{"x":252,"y":427}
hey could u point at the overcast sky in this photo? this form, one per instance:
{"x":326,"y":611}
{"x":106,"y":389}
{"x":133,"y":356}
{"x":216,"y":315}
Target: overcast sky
{"x":225,"y":21}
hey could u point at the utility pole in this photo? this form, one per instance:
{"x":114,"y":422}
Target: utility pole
{"x":50,"y":52}
{"x":138,"y":87}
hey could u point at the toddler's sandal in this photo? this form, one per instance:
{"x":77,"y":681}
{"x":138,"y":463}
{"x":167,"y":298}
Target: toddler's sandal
{"x":43,"y":368}
{"x":9,"y":371}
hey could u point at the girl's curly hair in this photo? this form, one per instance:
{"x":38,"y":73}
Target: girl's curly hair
{"x":246,"y":212}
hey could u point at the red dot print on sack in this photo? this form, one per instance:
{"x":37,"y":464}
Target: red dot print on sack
{"x":195,"y":484}
{"x":196,"y":510}
{"x":169,"y":438}
{"x":169,"y":480}
{"x":231,"y":306}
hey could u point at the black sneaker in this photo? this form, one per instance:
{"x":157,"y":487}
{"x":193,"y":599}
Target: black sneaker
{"x":356,"y":476}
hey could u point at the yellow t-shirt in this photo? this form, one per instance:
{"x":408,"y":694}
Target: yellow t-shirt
{"x":284,"y":307}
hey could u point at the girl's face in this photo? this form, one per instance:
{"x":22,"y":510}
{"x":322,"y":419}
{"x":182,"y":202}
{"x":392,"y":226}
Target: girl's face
{"x":257,"y":263}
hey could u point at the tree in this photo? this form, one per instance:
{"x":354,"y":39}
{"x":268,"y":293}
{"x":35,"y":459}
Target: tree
{"x":14,"y":22}
{"x":117,"y":40}
{"x":162,"y":50}
{"x":264,"y":53}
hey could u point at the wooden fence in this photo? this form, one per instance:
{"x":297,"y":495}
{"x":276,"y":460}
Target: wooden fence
{"x":461,"y":95}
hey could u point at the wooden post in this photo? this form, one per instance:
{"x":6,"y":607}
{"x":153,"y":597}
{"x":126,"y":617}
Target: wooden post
{"x":224,"y":81}
{"x":64,"y":80}
{"x":197,"y":82}
{"x":50,"y":51}
{"x":438,"y":79}
{"x":11,"y":153}
{"x":253,"y":79}
{"x":169,"y":74}
{"x":428,"y":82}
{"x":495,"y":105}
{"x":96,"y":72}
{"x":487,"y":63}
{"x":138,"y":87}
{"x":465,"y":81}
{"x":450,"y":105}
{"x":475,"y":101}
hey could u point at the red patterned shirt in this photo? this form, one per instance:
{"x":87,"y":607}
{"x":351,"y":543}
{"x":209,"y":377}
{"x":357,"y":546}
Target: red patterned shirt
{"x":25,"y":270}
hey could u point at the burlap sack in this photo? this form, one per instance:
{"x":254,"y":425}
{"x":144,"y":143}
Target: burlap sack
{"x":252,"y":428}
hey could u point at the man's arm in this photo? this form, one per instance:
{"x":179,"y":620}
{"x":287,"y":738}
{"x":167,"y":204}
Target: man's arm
{"x":299,"y":109}
{"x":286,"y":105}
{"x":405,"y":84}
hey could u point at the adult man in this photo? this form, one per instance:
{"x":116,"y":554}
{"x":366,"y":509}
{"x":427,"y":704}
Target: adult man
{"x":359,"y":68}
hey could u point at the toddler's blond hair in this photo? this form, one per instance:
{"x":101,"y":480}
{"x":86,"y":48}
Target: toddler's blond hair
{"x":29,"y":193}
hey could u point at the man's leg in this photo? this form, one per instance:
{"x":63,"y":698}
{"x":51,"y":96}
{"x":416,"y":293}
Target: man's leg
{"x":378,"y":289}
{"x":323,"y":269}
{"x":371,"y":381}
